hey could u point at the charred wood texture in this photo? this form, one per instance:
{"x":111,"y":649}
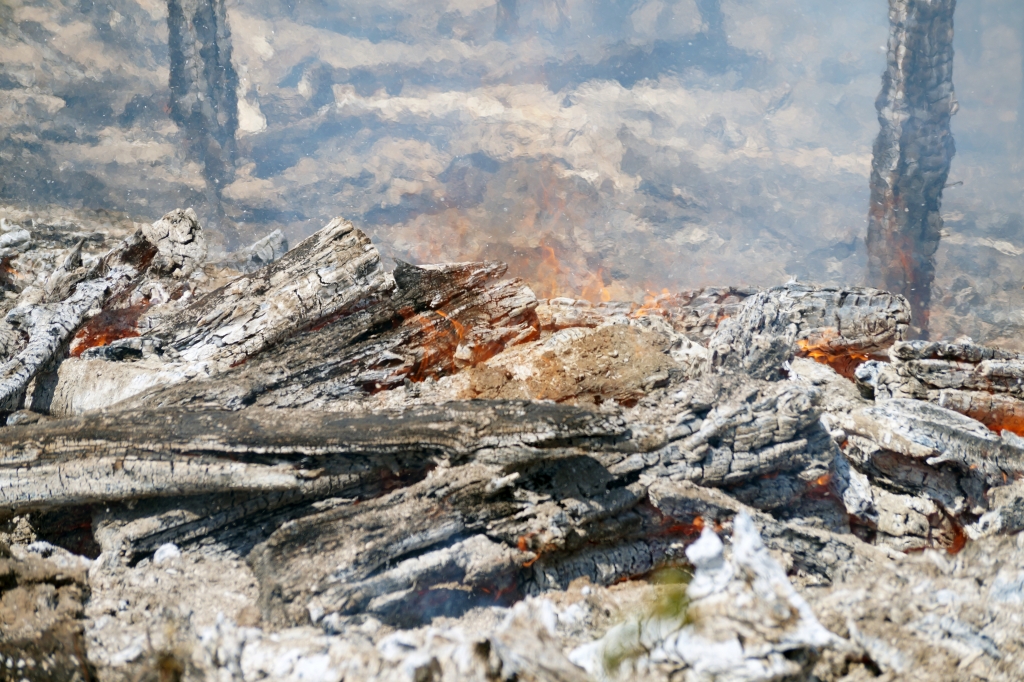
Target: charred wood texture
{"x":51,"y":315}
{"x":362,"y":450}
{"x":912,"y":153}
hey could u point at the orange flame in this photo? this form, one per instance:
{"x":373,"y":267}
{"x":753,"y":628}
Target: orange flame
{"x":652,"y":304}
{"x":595,"y":289}
{"x":842,"y":360}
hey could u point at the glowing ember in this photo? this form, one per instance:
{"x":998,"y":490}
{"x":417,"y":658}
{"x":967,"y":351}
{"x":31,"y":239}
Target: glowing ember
{"x":109,"y":326}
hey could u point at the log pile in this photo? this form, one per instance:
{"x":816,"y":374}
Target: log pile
{"x":322,"y":469}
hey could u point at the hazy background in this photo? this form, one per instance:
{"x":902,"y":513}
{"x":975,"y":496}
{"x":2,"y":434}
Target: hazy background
{"x":601,"y":147}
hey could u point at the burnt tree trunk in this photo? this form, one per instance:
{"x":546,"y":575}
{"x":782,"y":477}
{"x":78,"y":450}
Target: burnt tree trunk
{"x":203,"y":83}
{"x":913,"y":151}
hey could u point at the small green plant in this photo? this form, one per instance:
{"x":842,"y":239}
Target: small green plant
{"x":667,"y":611}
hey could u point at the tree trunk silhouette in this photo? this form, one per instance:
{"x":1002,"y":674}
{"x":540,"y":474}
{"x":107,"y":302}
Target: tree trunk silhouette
{"x":203,"y":85}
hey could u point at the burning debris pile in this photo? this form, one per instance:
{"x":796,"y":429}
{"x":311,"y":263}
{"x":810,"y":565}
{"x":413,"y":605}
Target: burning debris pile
{"x":298,"y":465}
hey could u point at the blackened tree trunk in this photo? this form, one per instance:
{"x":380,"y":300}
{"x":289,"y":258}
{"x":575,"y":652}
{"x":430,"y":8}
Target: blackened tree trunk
{"x":913,"y":152}
{"x":203,"y":85}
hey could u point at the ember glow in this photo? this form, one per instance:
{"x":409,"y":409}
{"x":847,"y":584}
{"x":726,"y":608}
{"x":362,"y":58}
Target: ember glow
{"x":109,"y":326}
{"x":588,"y":340}
{"x":844,"y":361}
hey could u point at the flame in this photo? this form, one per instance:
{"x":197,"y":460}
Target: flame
{"x":842,"y":360}
{"x":460,"y":328}
{"x":652,"y":303}
{"x":595,"y":289}
{"x":548,"y":273}
{"x":555,"y":278}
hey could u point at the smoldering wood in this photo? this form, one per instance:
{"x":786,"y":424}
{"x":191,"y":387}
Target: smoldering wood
{"x":935,"y":435}
{"x":49,"y":325}
{"x":334,"y":450}
{"x":322,"y":276}
{"x":829,"y":322}
{"x":913,"y":151}
{"x":435,"y":318}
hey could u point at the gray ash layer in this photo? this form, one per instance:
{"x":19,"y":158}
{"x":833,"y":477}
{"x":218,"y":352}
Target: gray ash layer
{"x":326,"y":468}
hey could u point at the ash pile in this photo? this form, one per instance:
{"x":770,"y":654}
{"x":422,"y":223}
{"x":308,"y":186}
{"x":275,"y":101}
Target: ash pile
{"x":297,"y":464}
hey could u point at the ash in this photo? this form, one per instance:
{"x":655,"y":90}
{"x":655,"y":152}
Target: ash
{"x":300,"y":464}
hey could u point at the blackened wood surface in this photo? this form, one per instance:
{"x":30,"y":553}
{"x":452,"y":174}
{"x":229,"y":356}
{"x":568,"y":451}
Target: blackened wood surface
{"x":913,"y":151}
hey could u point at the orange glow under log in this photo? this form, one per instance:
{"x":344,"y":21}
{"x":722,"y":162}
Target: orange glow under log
{"x":107,"y":327}
{"x":959,"y":540}
{"x":843,"y":361}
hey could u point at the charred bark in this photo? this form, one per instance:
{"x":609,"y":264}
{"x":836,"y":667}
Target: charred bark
{"x":912,"y":153}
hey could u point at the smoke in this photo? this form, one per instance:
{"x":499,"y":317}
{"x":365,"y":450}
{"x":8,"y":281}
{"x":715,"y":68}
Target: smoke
{"x":612,"y":146}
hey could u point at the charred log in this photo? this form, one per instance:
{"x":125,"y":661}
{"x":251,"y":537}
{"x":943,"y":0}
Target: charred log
{"x":912,"y":153}
{"x":390,"y":495}
{"x":434,"y":318}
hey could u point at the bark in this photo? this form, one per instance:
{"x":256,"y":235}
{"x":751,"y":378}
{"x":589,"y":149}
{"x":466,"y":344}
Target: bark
{"x":335,"y":269}
{"x":912,"y":153}
{"x":433,"y":320}
{"x":980,"y":382}
{"x":830,"y":324}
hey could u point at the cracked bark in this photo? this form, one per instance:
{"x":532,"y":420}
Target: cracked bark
{"x":323,"y":437}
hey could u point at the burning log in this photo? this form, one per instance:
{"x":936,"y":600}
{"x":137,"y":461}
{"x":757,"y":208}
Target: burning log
{"x":696,"y":313}
{"x":428,"y":323}
{"x":366,"y":452}
{"x":73,"y":293}
{"x":828,"y":324}
{"x":981,"y":382}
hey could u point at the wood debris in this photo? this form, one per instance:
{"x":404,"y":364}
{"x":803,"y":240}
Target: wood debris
{"x":429,"y":472}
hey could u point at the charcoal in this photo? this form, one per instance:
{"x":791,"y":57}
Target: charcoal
{"x":73,"y":293}
{"x":981,"y":382}
{"x":926,"y":432}
{"x":827,"y":323}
